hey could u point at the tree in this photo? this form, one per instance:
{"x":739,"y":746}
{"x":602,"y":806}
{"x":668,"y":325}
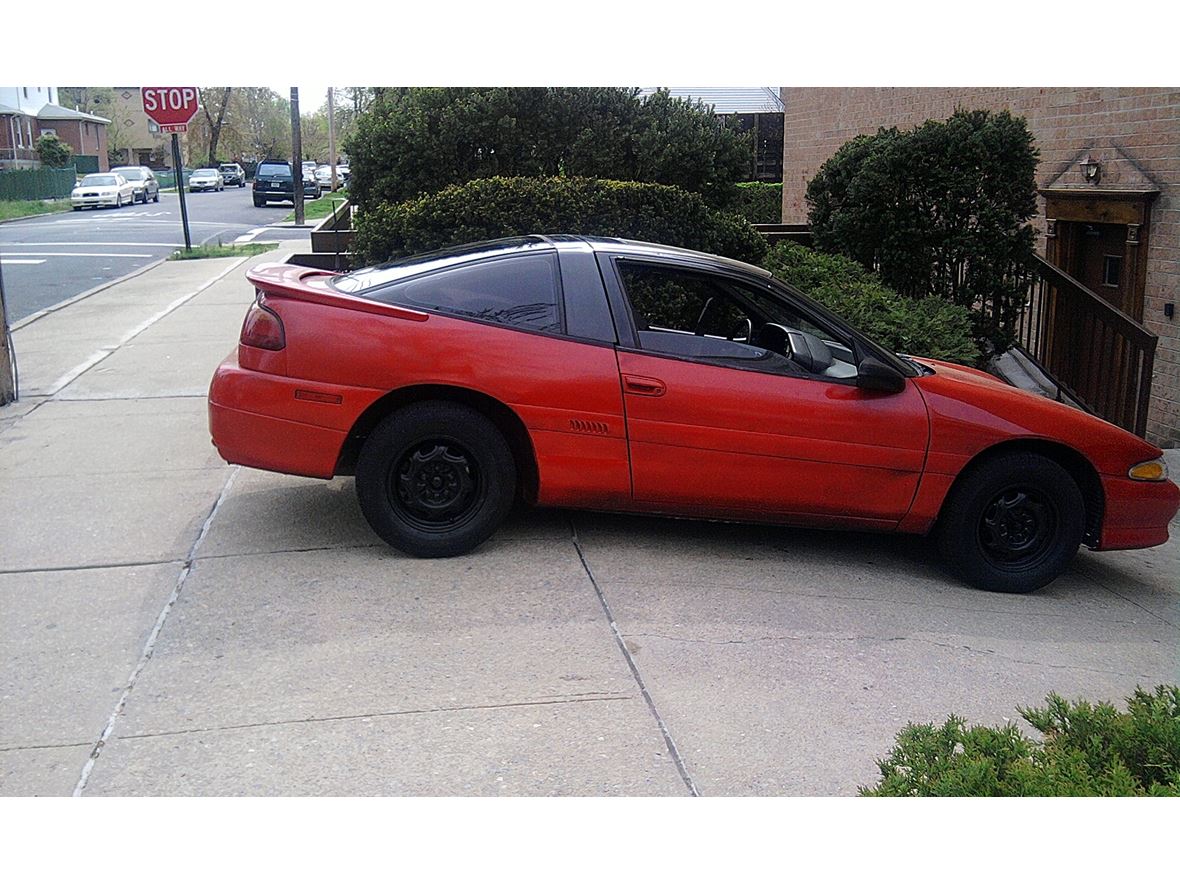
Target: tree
{"x":419,"y":140}
{"x":219,"y":97}
{"x":53,"y":151}
{"x":88,"y":99}
{"x":940,"y":210}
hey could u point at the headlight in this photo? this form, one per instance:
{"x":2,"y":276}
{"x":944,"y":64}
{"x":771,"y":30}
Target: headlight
{"x":1150,"y":471}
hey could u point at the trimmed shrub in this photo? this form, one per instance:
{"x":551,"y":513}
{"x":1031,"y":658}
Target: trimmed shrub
{"x":1085,"y":750}
{"x":53,"y":152}
{"x":919,"y":326}
{"x":415,"y":141}
{"x":941,"y":210}
{"x":759,"y":202}
{"x":490,"y":208}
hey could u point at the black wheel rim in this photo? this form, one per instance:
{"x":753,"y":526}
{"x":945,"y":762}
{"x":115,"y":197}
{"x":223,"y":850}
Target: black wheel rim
{"x":1017,"y":528}
{"x":436,"y":485}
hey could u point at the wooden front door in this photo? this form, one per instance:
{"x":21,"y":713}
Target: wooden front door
{"x":1098,"y":260}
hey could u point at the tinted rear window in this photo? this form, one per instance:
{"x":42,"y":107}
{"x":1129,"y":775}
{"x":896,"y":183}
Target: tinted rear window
{"x":274,"y":169}
{"x":521,"y":291}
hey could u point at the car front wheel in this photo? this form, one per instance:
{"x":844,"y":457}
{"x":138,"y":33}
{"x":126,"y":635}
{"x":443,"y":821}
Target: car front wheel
{"x":435,"y":479}
{"x":1012,"y":524}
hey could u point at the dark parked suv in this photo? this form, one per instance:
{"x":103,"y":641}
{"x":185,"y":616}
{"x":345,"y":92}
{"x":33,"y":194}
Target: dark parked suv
{"x":273,"y":182}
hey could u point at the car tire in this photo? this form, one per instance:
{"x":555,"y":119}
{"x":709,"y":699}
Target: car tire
{"x":259,"y":203}
{"x":156,"y":198}
{"x":435,"y":479}
{"x":1012,"y":523}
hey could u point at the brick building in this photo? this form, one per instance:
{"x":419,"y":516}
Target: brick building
{"x":1109,"y":182}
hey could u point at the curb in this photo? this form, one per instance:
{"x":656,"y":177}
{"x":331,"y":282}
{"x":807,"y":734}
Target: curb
{"x":27,"y":217}
{"x":32,"y":318}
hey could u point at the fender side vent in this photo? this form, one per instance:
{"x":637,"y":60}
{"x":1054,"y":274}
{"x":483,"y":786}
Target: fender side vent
{"x":577,"y":425}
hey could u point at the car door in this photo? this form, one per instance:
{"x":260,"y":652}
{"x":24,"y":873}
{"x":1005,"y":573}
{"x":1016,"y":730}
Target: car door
{"x":720,"y":424}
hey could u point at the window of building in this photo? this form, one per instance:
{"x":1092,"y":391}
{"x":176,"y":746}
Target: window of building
{"x":1112,"y":265}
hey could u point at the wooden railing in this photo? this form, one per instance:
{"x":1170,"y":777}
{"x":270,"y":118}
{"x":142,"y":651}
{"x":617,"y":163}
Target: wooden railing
{"x":795,"y":233}
{"x":1099,"y":355}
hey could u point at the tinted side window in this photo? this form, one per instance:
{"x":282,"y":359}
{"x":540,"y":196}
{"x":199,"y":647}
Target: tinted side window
{"x":521,"y":291}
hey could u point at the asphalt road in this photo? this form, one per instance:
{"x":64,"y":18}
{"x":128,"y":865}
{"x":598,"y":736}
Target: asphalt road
{"x":51,"y":258}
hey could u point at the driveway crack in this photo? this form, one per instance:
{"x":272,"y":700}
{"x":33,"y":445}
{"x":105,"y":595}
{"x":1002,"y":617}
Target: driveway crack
{"x":651,"y":704}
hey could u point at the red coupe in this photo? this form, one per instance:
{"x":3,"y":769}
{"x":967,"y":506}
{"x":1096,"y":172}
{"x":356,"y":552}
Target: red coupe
{"x":613,"y":375}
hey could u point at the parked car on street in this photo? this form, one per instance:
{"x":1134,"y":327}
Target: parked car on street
{"x":608,"y":374}
{"x":102,"y":189}
{"x":147,"y":188}
{"x":206,"y":180}
{"x":273,"y":182}
{"x":311,"y":187}
{"x":323,"y":177}
{"x":232,"y":173}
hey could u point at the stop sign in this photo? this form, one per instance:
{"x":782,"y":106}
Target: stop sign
{"x":171,"y":107}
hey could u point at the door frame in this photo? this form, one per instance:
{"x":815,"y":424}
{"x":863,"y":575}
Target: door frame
{"x":1076,"y":208}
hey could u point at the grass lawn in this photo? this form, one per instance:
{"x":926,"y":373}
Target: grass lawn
{"x":10,"y":209}
{"x":216,"y":250}
{"x":321,"y":208}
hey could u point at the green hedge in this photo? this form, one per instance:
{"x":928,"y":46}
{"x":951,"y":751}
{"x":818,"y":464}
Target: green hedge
{"x":939,"y":210}
{"x":1085,"y":750}
{"x":759,"y":202}
{"x":500,"y":207}
{"x":919,"y":326}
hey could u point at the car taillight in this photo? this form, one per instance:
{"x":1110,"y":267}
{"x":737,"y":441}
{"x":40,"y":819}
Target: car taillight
{"x":263,"y":328}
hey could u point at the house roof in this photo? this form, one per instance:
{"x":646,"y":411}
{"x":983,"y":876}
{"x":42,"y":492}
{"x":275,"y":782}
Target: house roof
{"x":57,"y":112}
{"x":729,"y":100}
{"x":5,"y":109}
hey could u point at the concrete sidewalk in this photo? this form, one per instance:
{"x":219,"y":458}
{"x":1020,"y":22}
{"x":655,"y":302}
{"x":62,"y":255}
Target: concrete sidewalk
{"x":174,"y":626}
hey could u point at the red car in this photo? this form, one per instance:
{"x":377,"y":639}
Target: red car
{"x":614,"y":375}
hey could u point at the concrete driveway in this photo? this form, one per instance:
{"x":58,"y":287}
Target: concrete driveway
{"x":174,"y":626}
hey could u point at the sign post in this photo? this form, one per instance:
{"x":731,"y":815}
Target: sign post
{"x":172,"y":108}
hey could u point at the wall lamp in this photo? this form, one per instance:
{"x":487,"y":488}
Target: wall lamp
{"x":1091,"y":169}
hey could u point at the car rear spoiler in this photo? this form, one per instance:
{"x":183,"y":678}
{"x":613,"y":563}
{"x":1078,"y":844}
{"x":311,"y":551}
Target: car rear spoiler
{"x":311,"y":284}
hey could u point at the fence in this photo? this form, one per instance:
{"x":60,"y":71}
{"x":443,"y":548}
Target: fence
{"x":85,"y":164}
{"x":37,"y":184}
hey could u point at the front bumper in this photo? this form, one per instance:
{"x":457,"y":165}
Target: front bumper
{"x":1137,"y":513}
{"x":82,"y":202}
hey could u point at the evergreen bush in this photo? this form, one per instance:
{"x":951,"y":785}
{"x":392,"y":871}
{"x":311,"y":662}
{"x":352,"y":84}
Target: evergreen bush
{"x":941,"y":210}
{"x":415,"y":141}
{"x":53,"y":152}
{"x":490,"y":208}
{"x":1085,"y":750}
{"x":919,"y":326}
{"x":759,"y":202}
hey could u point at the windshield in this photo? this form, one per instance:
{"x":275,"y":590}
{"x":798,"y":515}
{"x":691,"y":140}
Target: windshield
{"x":205,"y":172}
{"x":229,"y":168}
{"x":99,"y":180}
{"x":131,"y":174}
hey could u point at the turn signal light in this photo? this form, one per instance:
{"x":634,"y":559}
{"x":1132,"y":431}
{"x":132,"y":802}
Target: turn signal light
{"x":263,"y":328}
{"x":1150,"y":471}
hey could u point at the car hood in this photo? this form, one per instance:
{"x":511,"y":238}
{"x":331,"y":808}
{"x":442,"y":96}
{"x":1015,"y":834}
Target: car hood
{"x":970,"y":410}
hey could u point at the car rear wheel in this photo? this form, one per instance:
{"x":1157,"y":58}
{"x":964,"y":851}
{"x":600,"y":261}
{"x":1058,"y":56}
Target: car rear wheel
{"x":435,"y":479}
{"x":1012,"y":524}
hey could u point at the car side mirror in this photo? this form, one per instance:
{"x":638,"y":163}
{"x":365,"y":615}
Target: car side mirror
{"x":872,"y":374}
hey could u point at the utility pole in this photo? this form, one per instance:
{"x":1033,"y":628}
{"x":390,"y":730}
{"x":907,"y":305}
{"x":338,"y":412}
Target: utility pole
{"x":297,"y":166}
{"x":332,"y":139}
{"x":7,"y":360}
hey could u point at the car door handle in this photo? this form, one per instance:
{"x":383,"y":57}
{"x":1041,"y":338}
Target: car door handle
{"x":641,"y":386}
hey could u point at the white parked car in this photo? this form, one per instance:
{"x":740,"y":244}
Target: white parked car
{"x":206,"y":180}
{"x":323,"y":177}
{"x":147,"y":189}
{"x":102,"y":189}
